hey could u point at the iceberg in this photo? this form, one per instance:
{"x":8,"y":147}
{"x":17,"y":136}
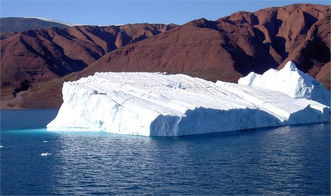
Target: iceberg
{"x":159,"y":104}
{"x":291,"y":81}
{"x":45,"y":154}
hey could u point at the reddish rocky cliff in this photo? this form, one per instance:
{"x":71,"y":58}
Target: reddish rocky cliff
{"x":40,"y":55}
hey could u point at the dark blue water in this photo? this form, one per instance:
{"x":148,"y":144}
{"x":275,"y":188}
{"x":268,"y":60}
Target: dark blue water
{"x":287,"y":160}
{"x":25,"y":119}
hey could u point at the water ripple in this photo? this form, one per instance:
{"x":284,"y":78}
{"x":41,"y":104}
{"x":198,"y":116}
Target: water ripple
{"x":287,"y":160}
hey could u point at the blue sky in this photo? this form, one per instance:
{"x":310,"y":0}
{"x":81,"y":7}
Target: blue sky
{"x":102,"y":12}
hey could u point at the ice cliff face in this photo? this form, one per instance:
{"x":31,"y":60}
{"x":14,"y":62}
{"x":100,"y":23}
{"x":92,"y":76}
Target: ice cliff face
{"x":290,"y":81}
{"x":157,"y":104}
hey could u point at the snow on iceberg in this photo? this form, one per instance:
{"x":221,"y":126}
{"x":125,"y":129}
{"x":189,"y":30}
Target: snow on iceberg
{"x":157,"y":104}
{"x":290,"y":81}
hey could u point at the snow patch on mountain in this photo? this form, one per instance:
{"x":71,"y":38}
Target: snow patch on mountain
{"x":52,"y":20}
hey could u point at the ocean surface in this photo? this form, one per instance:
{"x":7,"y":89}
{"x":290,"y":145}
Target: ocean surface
{"x":287,"y":160}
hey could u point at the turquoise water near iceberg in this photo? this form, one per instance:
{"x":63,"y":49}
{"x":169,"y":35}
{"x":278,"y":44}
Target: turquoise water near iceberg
{"x":286,"y":160}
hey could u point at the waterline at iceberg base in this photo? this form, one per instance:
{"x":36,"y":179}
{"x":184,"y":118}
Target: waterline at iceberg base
{"x":158,"y":104}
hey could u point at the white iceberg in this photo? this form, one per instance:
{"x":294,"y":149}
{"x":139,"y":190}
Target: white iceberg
{"x":291,"y":81}
{"x":45,"y":154}
{"x":157,"y":104}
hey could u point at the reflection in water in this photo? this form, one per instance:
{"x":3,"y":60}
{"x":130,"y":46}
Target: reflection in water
{"x":288,"y":160}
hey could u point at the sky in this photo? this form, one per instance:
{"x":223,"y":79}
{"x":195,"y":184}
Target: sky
{"x":108,"y":12}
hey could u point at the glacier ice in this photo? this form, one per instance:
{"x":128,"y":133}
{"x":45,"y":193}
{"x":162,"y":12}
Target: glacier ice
{"x":158,"y":104}
{"x":45,"y":154}
{"x":291,"y":81}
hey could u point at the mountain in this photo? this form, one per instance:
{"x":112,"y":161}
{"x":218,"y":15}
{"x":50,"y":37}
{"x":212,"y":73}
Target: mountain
{"x":225,"y":49}
{"x":232,"y":46}
{"x":20,"y":24}
{"x":40,"y":55}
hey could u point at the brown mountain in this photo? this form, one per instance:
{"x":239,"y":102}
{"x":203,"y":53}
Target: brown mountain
{"x":225,"y":49}
{"x":232,"y":46}
{"x":40,"y":55}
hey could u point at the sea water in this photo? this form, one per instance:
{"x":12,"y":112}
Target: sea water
{"x":286,"y":160}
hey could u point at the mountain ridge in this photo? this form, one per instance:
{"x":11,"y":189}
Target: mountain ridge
{"x":20,"y":24}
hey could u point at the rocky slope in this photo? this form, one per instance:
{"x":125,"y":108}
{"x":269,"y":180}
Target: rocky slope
{"x":225,"y":49}
{"x":232,"y":46}
{"x":36,"y":56}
